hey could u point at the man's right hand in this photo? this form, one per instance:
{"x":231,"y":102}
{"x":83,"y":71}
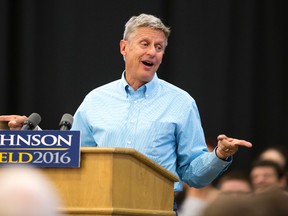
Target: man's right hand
{"x":15,"y":122}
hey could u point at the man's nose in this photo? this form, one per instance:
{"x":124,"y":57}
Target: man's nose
{"x":260,"y":179}
{"x":151,"y":50}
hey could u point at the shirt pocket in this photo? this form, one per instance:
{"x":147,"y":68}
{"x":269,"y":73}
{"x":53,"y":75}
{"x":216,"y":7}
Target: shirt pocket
{"x":161,"y":138}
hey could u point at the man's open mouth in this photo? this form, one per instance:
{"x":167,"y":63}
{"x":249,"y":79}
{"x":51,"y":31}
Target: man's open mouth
{"x":150,"y":64}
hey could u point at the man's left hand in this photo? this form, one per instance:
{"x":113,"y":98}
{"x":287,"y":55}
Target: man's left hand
{"x":229,"y":146}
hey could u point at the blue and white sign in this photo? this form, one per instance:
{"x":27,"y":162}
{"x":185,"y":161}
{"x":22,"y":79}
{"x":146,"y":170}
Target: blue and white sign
{"x":47,"y":148}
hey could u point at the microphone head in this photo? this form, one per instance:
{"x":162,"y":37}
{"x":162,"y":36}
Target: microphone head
{"x":33,"y":120}
{"x":66,"y":122}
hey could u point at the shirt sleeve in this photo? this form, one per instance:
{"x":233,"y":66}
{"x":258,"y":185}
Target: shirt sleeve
{"x":81,"y":123}
{"x":195,"y":165}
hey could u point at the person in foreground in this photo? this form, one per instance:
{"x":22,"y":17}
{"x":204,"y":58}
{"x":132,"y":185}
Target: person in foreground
{"x":26,"y":191}
{"x":148,"y":114}
{"x":272,"y":202}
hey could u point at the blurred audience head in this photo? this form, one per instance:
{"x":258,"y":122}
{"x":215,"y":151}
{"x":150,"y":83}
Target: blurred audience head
{"x":273,"y":202}
{"x":266,"y":175}
{"x":26,"y":191}
{"x":234,"y":183}
{"x":279,"y":154}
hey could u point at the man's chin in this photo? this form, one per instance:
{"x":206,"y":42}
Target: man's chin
{"x":147,"y":78}
{"x":148,"y":75}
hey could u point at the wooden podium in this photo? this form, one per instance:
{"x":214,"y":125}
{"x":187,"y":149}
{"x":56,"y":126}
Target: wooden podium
{"x":114,"y":181}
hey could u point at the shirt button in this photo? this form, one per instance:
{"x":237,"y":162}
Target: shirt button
{"x":129,"y":142}
{"x":135,"y":101}
{"x":132,"y":121}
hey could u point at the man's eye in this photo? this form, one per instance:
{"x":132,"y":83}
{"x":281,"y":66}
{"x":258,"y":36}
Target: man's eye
{"x":144,"y":44}
{"x":159,"y":48}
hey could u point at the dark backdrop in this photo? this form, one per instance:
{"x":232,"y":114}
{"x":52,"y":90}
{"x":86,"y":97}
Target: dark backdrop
{"x":231,"y":56}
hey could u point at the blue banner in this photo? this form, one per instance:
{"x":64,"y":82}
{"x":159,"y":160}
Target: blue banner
{"x":47,"y":148}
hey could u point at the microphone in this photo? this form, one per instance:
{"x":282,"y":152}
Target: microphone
{"x":32,"y":121}
{"x":66,"y":122}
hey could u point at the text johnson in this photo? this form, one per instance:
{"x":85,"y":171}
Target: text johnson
{"x":35,"y":140}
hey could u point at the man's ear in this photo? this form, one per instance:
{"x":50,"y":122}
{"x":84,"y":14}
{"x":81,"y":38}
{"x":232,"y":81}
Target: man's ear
{"x":283,"y":182}
{"x":123,"y":44}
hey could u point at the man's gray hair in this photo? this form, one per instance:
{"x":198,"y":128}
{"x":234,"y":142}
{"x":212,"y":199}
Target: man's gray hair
{"x":145,"y":20}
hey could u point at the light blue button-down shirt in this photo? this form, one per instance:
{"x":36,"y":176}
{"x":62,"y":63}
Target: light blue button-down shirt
{"x":159,"y":120}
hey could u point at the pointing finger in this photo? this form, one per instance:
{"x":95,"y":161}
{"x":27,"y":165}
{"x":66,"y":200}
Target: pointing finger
{"x":243,"y":143}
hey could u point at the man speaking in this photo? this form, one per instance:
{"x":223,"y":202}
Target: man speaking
{"x":148,"y":114}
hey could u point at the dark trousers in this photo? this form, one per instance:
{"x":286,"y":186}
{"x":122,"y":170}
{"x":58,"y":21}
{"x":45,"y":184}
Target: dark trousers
{"x":175,"y":207}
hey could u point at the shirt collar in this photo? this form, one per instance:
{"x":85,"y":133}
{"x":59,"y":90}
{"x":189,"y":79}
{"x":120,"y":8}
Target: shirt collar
{"x":150,"y":87}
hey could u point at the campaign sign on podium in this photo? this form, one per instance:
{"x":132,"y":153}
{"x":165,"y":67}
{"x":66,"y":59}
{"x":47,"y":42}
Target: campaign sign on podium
{"x":47,"y":148}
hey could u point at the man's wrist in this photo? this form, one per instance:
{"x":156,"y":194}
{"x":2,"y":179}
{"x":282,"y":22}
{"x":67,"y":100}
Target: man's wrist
{"x":220,"y":155}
